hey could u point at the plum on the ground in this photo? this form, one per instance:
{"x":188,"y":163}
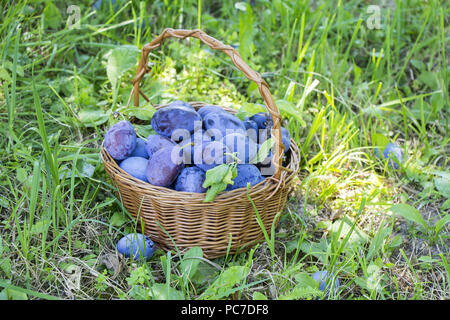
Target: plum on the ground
{"x":246,"y":173}
{"x":177,"y":117}
{"x":120,"y":140}
{"x":141,"y":149}
{"x":156,"y":142}
{"x":224,"y":123}
{"x":136,"y":167}
{"x":164,"y":166}
{"x":261,"y":119}
{"x":244,"y":147}
{"x":322,"y":277}
{"x":99,"y":3}
{"x":212,"y":155}
{"x":391,"y":152}
{"x":205,"y":110}
{"x":191,"y":180}
{"x":136,"y":245}
{"x":285,"y":138}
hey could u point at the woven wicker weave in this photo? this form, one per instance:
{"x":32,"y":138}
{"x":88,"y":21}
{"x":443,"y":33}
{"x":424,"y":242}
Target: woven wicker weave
{"x":228,"y":224}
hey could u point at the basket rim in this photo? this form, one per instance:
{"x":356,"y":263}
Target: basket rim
{"x":286,"y":176}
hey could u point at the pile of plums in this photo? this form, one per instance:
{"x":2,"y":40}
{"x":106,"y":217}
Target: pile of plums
{"x":188,"y":142}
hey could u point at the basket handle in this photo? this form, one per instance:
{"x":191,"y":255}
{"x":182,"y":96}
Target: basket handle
{"x":252,"y":75}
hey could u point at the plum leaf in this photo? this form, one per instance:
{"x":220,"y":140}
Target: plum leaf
{"x":263,"y":151}
{"x":52,"y":16}
{"x":120,"y":60}
{"x":443,"y":186}
{"x":218,"y":178}
{"x":410,"y":213}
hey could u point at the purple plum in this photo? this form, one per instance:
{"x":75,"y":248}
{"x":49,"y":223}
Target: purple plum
{"x":120,"y":140}
{"x":191,"y":180}
{"x":164,"y":166}
{"x":136,"y":167}
{"x":141,"y":149}
{"x":136,"y":246}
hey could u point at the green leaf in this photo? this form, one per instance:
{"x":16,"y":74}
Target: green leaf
{"x":263,"y":151}
{"x":160,"y":291}
{"x":301,"y":293}
{"x":418,"y":64}
{"x":118,"y":219}
{"x":443,"y":186}
{"x":217,"y":179}
{"x":119,"y":61}
{"x":40,"y":226}
{"x":441,"y":223}
{"x":214,"y":190}
{"x":4,"y":75}
{"x":445,"y":205}
{"x":303,"y":279}
{"x":249,"y":109}
{"x":259,"y":296}
{"x":316,"y":249}
{"x":191,"y":259}
{"x":289,"y":108}
{"x":357,"y":236}
{"x":93,"y":117}
{"x":14,"y":294}
{"x":5,"y":266}
{"x":215,"y":175}
{"x":429,"y":78}
{"x":396,"y":241}
{"x":377,"y":242}
{"x":380,"y":141}
{"x":22,"y":174}
{"x":52,"y":16}
{"x":409,"y":213}
{"x":226,"y":281}
{"x":142,"y":113}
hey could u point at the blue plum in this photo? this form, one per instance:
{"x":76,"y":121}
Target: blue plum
{"x":136,"y":246}
{"x":244,"y":147}
{"x":141,"y":149}
{"x":175,"y":117}
{"x":261,"y":119}
{"x":250,"y":124}
{"x":180,"y":103}
{"x":212,"y":155}
{"x":205,"y":110}
{"x":136,"y":167}
{"x":393,"y":153}
{"x":191,"y":180}
{"x":196,"y":142}
{"x":224,"y":123}
{"x":322,"y":277}
{"x":120,"y":140}
{"x":156,"y":142}
{"x":164,"y":166}
{"x":246,"y":173}
{"x":285,"y":138}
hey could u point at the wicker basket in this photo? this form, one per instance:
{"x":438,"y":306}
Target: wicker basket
{"x":181,"y":220}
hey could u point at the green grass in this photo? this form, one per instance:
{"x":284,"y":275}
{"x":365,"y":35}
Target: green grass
{"x":342,"y":89}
